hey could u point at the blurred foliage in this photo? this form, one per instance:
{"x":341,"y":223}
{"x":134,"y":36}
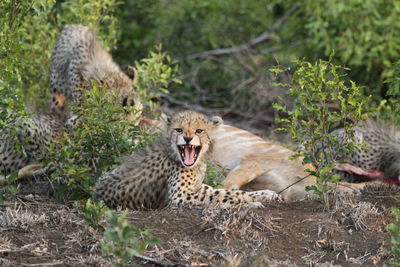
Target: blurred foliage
{"x":187,"y":26}
{"x":389,"y":109}
{"x":369,"y":46}
{"x":314,"y":88}
{"x":365,"y":35}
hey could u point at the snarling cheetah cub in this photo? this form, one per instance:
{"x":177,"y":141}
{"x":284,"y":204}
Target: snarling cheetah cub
{"x":172,"y":170}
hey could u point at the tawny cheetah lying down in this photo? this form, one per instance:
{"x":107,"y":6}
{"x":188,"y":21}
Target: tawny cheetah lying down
{"x":172,"y":170}
{"x":256,"y":164}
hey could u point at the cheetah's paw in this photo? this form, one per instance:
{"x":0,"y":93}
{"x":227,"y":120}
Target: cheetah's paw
{"x":267,"y":195}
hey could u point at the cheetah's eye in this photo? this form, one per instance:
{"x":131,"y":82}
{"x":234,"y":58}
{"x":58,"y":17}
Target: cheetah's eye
{"x":199,"y":131}
{"x":179,"y":130}
{"x":124,"y":102}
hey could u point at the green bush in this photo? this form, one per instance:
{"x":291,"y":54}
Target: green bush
{"x":122,"y":241}
{"x":394,"y":228}
{"x":156,"y":73}
{"x":314,"y":87}
{"x":389,"y":109}
{"x":93,"y":212}
{"x":370,"y":46}
{"x":100,"y":136}
{"x":189,"y":27}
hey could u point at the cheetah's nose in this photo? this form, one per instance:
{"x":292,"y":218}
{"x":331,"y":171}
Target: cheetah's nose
{"x":187,"y":139}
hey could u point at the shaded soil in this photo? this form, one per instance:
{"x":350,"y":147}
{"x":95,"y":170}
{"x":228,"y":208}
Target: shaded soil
{"x":40,"y":231}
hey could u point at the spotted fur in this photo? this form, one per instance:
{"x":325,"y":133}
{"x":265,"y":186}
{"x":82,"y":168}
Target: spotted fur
{"x":29,"y":144}
{"x":382,"y":154}
{"x":159,"y":175}
{"x":79,"y":56}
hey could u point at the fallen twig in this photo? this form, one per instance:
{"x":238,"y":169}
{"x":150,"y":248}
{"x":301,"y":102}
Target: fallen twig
{"x":160,"y":262}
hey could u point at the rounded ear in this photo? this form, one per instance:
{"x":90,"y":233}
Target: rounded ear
{"x":133,"y":74}
{"x":165,"y":121}
{"x":217,"y":120}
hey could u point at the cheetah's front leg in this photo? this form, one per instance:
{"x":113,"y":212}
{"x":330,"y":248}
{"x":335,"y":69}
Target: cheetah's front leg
{"x":182,"y":190}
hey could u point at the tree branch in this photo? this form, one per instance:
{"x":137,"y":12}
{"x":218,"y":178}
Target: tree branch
{"x":265,"y":36}
{"x":209,"y":111}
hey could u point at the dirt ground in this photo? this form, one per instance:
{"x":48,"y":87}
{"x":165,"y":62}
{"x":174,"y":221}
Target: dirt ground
{"x":37,"y":230}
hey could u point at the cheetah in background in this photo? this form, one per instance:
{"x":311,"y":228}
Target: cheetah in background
{"x":381,"y":160}
{"x":172,"y":171}
{"x":34,"y":135}
{"x":79,"y":56}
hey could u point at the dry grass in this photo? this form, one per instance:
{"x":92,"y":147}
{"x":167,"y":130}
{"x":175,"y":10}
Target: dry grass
{"x":39,"y":231}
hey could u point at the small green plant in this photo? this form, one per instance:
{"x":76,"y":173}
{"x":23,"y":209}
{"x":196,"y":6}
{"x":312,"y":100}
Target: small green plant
{"x":93,"y":212}
{"x":156,"y":73}
{"x":214,"y":176}
{"x":394,"y":228}
{"x":315,"y":87}
{"x":122,"y":241}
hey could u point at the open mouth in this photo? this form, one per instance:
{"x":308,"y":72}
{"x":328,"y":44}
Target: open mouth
{"x":189,"y":154}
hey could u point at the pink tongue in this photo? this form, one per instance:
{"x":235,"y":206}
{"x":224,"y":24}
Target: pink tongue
{"x":189,"y":156}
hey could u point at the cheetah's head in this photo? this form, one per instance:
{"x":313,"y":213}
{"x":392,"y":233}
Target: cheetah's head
{"x":190,"y":134}
{"x":132,"y":106}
